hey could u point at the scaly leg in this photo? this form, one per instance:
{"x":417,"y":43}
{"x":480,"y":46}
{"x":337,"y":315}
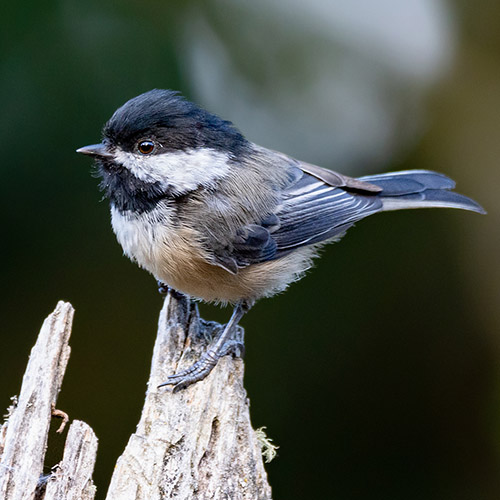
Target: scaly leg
{"x":224,"y":344}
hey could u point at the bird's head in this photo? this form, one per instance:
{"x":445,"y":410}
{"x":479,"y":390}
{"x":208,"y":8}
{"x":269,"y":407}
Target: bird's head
{"x":162,"y":143}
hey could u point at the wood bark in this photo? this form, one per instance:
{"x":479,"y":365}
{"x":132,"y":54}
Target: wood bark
{"x":72,"y":477}
{"x":197,"y":443}
{"x":26,"y":430}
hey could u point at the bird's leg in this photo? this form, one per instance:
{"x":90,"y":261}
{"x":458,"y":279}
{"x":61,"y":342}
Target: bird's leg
{"x":225,"y":343}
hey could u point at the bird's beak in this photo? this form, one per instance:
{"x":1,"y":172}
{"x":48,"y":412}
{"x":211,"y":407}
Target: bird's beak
{"x":99,"y":150}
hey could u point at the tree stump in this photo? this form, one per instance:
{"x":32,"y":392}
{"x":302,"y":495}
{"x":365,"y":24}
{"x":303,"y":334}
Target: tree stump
{"x":197,"y":443}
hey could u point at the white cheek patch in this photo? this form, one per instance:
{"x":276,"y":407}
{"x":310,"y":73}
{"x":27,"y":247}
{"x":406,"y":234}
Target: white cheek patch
{"x":181,"y":170}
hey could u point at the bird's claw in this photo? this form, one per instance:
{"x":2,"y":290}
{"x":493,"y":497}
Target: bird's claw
{"x":234,"y":347}
{"x":199,"y":370}
{"x":194,"y":373}
{"x":164,"y":290}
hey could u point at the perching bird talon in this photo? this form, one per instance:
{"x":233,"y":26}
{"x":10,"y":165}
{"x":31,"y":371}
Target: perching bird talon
{"x":164,"y":290}
{"x":234,"y":347}
{"x":229,"y":341}
{"x":202,"y":368}
{"x":193,"y":374}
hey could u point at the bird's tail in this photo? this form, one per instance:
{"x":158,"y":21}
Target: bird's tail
{"x":419,"y":189}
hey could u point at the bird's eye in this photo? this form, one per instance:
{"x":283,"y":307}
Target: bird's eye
{"x":146,"y":147}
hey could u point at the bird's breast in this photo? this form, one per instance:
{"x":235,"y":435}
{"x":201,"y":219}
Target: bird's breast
{"x":175,"y":256}
{"x":172,"y":253}
{"x":156,"y":242}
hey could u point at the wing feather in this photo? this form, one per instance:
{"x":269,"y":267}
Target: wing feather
{"x":310,"y":212}
{"x":320,"y":205}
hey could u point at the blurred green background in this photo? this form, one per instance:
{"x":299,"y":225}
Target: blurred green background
{"x":377,"y":375}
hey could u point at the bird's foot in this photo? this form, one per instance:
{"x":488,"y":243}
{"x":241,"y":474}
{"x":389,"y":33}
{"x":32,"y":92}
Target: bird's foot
{"x":202,"y":368}
{"x":229,"y":341}
{"x":164,"y":289}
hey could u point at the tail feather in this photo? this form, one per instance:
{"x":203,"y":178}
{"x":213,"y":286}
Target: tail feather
{"x":419,"y":189}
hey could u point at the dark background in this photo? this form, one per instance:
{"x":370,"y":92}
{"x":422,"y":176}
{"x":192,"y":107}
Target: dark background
{"x":377,"y":375}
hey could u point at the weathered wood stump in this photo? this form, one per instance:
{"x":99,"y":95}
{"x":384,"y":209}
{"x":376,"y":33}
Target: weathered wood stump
{"x":197,"y":443}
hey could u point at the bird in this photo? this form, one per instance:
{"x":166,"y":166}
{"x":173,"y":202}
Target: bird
{"x":216,"y":217}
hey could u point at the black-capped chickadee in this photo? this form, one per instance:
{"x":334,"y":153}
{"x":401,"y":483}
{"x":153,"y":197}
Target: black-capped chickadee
{"x":214,"y":216}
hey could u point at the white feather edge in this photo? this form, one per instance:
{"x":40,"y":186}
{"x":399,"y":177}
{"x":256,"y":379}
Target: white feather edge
{"x":389,"y":204}
{"x":403,"y":172}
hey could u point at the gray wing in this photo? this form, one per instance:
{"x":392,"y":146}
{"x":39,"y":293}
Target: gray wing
{"x":312,"y":210}
{"x":320,"y":205}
